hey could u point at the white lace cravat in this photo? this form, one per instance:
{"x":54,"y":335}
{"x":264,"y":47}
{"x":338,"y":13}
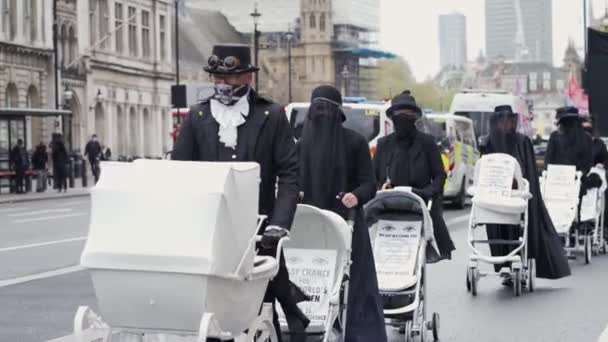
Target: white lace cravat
{"x":230,"y":118}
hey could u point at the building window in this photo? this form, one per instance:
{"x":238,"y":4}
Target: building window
{"x":322,"y":23}
{"x":132,"y":32}
{"x":30,"y":24}
{"x":72,"y":44}
{"x":118,"y":21}
{"x":104,"y":23}
{"x":547,"y":80}
{"x":63,"y":39}
{"x":313,"y":21}
{"x":145,"y":33}
{"x":533,"y":81}
{"x":163,"y":38}
{"x":12,"y":19}
{"x":560,"y":84}
{"x":92,"y":21}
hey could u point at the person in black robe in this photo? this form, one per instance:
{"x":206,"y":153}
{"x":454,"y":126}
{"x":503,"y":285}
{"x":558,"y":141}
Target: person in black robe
{"x":411,"y":158}
{"x":336,"y":174}
{"x":544,"y":244}
{"x":59,"y":155}
{"x":570,"y":144}
{"x":599,"y":152}
{"x":238,"y":125}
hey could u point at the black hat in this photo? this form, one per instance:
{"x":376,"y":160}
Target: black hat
{"x":230,"y":59}
{"x":504,"y":110}
{"x":566,"y":112}
{"x":403,"y":101}
{"x":329,"y":94}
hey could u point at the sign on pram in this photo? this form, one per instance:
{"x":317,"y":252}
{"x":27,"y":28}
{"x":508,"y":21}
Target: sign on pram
{"x":396,"y":246}
{"x":496,"y":176}
{"x":313,"y":271}
{"x":561,"y":182}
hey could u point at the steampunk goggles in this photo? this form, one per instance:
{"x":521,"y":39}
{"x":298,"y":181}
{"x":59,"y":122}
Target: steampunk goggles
{"x":229,"y":63}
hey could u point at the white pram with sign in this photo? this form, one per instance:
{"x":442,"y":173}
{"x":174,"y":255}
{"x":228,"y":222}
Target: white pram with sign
{"x":560,"y":186}
{"x":495,"y":202}
{"x":318,"y":259}
{"x":176,"y":260}
{"x":592,"y":211}
{"x":400,"y":229}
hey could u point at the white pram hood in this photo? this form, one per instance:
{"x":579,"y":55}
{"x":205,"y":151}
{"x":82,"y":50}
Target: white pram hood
{"x":591,"y":205}
{"x":174,"y":216}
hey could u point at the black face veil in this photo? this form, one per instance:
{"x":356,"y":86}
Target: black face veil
{"x":503,"y":132}
{"x":322,"y":156}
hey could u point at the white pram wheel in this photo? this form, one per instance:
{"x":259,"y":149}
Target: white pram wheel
{"x":409,"y":332}
{"x":517,"y":282}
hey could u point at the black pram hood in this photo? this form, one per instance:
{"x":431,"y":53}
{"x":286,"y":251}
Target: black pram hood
{"x":390,"y":202}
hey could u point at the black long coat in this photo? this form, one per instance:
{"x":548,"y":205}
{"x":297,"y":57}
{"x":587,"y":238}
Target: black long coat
{"x":426,"y":177}
{"x":265,"y":138}
{"x":365,"y":318}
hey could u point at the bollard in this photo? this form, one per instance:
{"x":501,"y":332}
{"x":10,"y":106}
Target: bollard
{"x":71,"y":172}
{"x":83,"y":169}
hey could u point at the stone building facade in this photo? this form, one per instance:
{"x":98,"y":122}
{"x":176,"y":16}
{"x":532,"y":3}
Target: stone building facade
{"x":26,"y":73}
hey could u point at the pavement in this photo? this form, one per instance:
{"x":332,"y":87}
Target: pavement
{"x":77,"y":191}
{"x":41,"y":285}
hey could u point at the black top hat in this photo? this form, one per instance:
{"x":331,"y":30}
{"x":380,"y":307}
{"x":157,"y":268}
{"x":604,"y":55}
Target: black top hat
{"x":403,"y":101}
{"x":566,"y":112}
{"x":230,"y":59}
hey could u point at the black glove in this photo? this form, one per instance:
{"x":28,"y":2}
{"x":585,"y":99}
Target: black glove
{"x":272,"y":235}
{"x":423,"y":193}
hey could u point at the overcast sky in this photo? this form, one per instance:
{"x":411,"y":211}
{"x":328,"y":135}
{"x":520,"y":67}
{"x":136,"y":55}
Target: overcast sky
{"x":410,"y":28}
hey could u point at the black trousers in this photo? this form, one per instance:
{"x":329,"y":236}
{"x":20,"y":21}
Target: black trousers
{"x":19,"y":180}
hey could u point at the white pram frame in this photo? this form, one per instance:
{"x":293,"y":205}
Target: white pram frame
{"x":88,"y":326}
{"x":511,"y":211}
{"x":595,"y":213}
{"x":574,"y":242}
{"x":318,"y":229}
{"x":418,"y":325}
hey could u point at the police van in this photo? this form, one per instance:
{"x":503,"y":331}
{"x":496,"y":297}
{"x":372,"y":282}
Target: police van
{"x":455,"y":138}
{"x":478,"y":105}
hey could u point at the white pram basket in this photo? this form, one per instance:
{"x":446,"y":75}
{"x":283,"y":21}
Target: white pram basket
{"x":318,"y":259}
{"x":560,"y":187}
{"x":178,"y":257}
{"x":400,"y":230}
{"x":495,"y":202}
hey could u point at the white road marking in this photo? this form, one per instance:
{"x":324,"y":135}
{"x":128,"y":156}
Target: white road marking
{"x":52,"y":217}
{"x":42,"y":244}
{"x":39,"y":276}
{"x":8,"y":210}
{"x":457,"y":220}
{"x":38,"y":212}
{"x":67,"y":204}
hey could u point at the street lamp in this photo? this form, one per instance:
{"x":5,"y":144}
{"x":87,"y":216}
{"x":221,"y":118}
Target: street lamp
{"x":67,"y":104}
{"x":256,"y":18}
{"x":289,"y":36}
{"x":345,"y":74}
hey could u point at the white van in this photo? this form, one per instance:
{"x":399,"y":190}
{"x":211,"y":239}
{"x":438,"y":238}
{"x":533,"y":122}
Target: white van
{"x":455,"y":138}
{"x":363,"y":118}
{"x":478,"y":105}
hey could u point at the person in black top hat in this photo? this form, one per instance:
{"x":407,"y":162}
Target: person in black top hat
{"x":543,"y":242}
{"x":234,"y":125}
{"x":570,"y":144}
{"x":411,"y":158}
{"x":336,"y":174}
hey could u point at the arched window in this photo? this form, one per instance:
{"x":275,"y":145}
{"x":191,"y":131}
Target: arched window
{"x":12,"y":96}
{"x":32,"y":100}
{"x":322,"y":22}
{"x":313,"y":21}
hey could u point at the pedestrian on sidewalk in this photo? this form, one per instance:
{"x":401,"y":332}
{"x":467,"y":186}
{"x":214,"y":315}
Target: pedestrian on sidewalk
{"x":19,"y":161}
{"x":106,"y":154}
{"x":94,"y":153}
{"x":60,"y":164}
{"x":238,"y":125}
{"x":335,"y":160}
{"x":411,"y":158}
{"x":40,"y":160}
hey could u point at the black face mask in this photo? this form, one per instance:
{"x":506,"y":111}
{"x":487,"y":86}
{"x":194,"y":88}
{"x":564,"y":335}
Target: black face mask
{"x":405,"y":125}
{"x":229,"y":94}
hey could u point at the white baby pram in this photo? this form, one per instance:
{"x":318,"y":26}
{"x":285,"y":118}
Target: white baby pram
{"x":560,"y":188}
{"x":318,"y":257}
{"x":592,"y":211}
{"x":495,"y":202}
{"x":400,"y":229}
{"x":171,"y":253}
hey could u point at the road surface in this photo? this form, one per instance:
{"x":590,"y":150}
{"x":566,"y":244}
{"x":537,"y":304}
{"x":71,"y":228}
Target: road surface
{"x":41,"y":285}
